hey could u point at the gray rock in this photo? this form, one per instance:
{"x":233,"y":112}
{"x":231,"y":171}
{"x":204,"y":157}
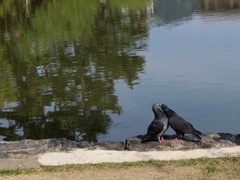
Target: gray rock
{"x":33,"y":147}
{"x":22,"y":162}
{"x":110,"y":145}
{"x":209,"y":140}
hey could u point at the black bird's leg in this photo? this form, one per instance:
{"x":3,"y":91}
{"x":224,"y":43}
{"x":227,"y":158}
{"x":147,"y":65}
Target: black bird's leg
{"x":161,"y":139}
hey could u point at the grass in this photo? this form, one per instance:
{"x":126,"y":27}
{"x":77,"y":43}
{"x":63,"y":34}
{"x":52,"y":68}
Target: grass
{"x":209,"y":167}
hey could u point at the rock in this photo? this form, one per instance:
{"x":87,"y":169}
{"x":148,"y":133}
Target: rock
{"x":35,"y":146}
{"x":110,"y":145}
{"x":209,"y":140}
{"x":103,"y":145}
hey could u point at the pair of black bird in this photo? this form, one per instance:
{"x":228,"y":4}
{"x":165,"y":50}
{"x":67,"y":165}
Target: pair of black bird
{"x":165,"y":117}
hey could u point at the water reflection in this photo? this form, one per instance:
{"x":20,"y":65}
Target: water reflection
{"x":59,"y":67}
{"x":60,"y":61}
{"x":175,"y":12}
{"x":220,"y":5}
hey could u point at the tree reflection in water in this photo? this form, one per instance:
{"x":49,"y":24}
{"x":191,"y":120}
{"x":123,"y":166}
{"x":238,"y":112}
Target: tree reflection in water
{"x":59,"y":72}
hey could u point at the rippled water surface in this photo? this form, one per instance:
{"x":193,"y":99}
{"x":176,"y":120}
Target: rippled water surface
{"x":90,"y":71}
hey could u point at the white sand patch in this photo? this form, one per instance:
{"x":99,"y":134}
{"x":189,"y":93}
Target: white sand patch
{"x":84,"y":156}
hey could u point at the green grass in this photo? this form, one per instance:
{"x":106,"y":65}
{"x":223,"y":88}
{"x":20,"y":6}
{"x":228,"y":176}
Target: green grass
{"x":211,"y":168}
{"x":208,"y":166}
{"x":18,"y":171}
{"x":192,"y":162}
{"x":103,"y":166}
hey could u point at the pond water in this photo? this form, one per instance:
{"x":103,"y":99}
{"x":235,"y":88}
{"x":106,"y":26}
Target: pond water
{"x":90,"y":71}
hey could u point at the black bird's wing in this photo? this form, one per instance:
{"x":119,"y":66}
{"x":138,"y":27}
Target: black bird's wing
{"x":155,"y":128}
{"x":181,"y":125}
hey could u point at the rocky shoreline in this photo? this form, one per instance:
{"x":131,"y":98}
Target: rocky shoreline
{"x":34,"y":147}
{"x":54,"y":152}
{"x":209,"y":140}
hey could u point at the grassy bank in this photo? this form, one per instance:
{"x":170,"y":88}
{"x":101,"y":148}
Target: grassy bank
{"x":207,"y":167}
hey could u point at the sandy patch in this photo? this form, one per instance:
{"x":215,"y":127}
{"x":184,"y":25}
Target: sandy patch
{"x":84,"y":156}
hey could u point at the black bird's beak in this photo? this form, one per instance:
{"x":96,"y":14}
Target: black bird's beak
{"x":160,"y":107}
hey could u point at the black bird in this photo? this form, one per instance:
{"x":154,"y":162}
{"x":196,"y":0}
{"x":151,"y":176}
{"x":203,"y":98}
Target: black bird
{"x":159,"y":124}
{"x":179,"y":124}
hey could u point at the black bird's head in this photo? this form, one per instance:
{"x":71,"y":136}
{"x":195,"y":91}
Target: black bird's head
{"x":158,"y":111}
{"x":167,"y":110}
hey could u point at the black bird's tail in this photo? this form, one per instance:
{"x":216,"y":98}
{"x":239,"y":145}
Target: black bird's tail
{"x":197,"y":134}
{"x":145,"y":138}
